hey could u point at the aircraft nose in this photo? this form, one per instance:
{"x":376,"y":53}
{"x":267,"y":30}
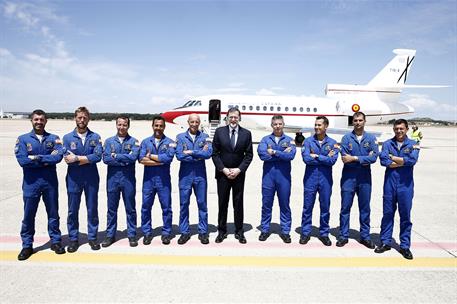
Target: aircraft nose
{"x":170,"y":116}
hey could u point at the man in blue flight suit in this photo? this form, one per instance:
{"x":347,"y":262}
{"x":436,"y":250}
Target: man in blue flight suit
{"x":120,"y":153}
{"x":398,"y":155}
{"x":359,"y":150}
{"x":38,"y":152}
{"x":193,"y":148}
{"x":319,"y":153}
{"x":83,"y":150}
{"x":277,"y":150}
{"x":156,"y":154}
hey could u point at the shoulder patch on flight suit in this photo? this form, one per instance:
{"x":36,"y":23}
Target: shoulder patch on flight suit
{"x":337,"y":146}
{"x":58,"y":141}
{"x":137,"y":143}
{"x":172,"y":145}
{"x":17,"y":141}
{"x":208,"y":139}
{"x":417,"y":147}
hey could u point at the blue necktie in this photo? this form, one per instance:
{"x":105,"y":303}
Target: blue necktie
{"x":232,"y":139}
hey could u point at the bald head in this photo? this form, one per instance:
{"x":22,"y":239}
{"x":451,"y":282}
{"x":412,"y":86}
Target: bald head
{"x":194,"y":123}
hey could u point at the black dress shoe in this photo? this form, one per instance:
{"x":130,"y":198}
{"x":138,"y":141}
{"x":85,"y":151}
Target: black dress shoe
{"x":220,"y":237}
{"x":147,"y":239}
{"x":108,"y":241}
{"x":304,"y":239}
{"x":166,"y":239}
{"x":406,"y":253}
{"x":341,"y":242}
{"x":325,"y":240}
{"x":94,"y":245}
{"x":58,"y":248}
{"x":285,"y":238}
{"x":133,"y":242}
{"x":73,"y":246}
{"x":183,"y":238}
{"x":368,"y":243}
{"x":25,"y":253}
{"x":240,"y":237}
{"x":203,"y":237}
{"x":264,"y":236}
{"x":382,"y":248}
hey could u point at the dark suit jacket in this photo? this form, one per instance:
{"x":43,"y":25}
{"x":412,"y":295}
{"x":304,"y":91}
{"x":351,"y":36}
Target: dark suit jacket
{"x":224,"y":156}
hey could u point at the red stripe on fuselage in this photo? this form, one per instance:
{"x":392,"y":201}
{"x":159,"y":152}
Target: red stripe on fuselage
{"x":172,"y":115}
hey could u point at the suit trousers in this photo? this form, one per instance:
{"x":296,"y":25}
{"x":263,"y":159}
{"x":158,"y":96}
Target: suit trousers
{"x":224,"y":185}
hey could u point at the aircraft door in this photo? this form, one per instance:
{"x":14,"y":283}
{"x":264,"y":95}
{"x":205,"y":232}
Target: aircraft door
{"x":214,"y":110}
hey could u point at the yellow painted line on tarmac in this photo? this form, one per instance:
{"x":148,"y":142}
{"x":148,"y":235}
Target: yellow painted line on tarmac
{"x":244,"y":261}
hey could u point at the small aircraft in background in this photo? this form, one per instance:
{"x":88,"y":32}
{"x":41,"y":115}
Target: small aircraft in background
{"x":378,"y":100}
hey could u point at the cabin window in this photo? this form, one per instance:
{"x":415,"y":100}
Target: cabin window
{"x":264,"y":108}
{"x":272,"y":108}
{"x":257,"y":108}
{"x":301,"y":109}
{"x":243,"y":108}
{"x":279,"y":109}
{"x":308,"y":109}
{"x":315,"y":110}
{"x":294,"y":109}
{"x":250,"y":108}
{"x":287,"y":109}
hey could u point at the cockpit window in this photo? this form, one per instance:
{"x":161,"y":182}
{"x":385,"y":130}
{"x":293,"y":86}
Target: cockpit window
{"x":190,"y":103}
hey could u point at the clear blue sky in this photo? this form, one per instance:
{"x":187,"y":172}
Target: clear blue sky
{"x":149,"y":56}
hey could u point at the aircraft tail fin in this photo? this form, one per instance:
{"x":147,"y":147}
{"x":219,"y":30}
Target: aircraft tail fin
{"x":395,"y":73}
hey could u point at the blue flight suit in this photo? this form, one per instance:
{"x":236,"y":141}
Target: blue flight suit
{"x":40,"y":179}
{"x":276,"y":178}
{"x":356,"y":178}
{"x":83,"y":178}
{"x":157,"y":179}
{"x":121,"y":179}
{"x":398,"y":189}
{"x":192,"y":175}
{"x":318,"y":179}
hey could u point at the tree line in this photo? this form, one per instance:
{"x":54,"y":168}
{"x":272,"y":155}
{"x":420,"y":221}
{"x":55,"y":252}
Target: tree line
{"x":101,"y":116}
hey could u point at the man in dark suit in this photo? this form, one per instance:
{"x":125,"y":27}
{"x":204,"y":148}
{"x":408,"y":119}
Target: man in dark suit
{"x":232,"y":154}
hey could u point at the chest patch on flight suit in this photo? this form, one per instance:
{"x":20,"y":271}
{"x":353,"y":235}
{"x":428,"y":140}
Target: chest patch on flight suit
{"x":73,"y":145}
{"x":49,"y":144}
{"x":128,"y":147}
{"x":92,"y":143}
{"x":350,"y":146}
{"x":366,"y":145}
{"x":164,"y":148}
{"x":407,"y":150}
{"x":285,"y":145}
{"x":29,"y":147}
{"x":201,"y":144}
{"x":327,"y":148}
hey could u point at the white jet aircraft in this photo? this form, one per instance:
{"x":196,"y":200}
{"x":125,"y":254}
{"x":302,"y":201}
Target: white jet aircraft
{"x":378,"y":100}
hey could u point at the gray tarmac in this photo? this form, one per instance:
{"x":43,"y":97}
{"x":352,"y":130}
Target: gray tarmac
{"x":268,"y":271}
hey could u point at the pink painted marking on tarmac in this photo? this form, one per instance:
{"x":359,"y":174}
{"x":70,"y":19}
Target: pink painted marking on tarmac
{"x":231,"y":243}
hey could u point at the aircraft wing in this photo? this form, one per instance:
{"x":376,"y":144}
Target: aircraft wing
{"x":335,"y":131}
